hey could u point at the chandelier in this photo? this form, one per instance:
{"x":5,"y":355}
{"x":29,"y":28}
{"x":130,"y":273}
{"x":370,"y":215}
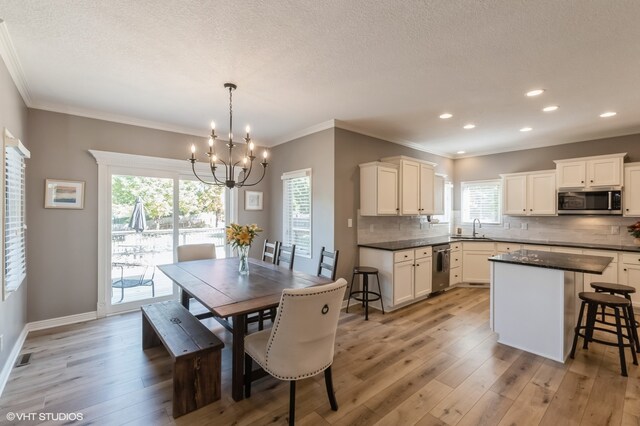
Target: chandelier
{"x":244,"y":161}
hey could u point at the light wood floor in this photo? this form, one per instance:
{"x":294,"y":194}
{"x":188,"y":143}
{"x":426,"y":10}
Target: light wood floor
{"x":433,"y":363}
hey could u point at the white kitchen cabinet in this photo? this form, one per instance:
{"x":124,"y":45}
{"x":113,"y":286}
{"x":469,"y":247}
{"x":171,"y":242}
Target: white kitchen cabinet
{"x":405,"y":275}
{"x":438,"y":194}
{"x":631,"y":201}
{"x":475,"y":264}
{"x":416,"y":185}
{"x":502,"y":248}
{"x":630,"y":274}
{"x":403,"y":282}
{"x":590,"y":172}
{"x":529,"y":194}
{"x":455,"y":264}
{"x":378,"y":189}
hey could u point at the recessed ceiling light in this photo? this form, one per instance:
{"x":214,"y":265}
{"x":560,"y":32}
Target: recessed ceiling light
{"x":446,"y":115}
{"x":550,"y":108}
{"x":608,"y":114}
{"x":461,"y":152}
{"x":526,"y":129}
{"x":469,"y":126}
{"x":535,"y":92}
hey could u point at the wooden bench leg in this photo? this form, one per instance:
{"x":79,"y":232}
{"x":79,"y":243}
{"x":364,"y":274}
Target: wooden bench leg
{"x":196,"y":381}
{"x":149,"y":337}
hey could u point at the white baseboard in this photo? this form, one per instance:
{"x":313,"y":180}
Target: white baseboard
{"x":57,"y":322}
{"x":13,"y":356}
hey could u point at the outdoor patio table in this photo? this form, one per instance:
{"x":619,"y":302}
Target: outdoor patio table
{"x":217,"y":285}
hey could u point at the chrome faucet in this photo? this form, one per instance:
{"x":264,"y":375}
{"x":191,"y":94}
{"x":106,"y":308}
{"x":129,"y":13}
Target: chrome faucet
{"x":474,"y":226}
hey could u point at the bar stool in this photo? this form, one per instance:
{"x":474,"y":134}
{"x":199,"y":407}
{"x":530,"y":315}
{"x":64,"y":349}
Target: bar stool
{"x":625,"y":291}
{"x":619,"y":305}
{"x":367,"y":295}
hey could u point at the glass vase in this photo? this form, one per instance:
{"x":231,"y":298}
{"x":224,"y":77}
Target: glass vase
{"x":243,"y":266}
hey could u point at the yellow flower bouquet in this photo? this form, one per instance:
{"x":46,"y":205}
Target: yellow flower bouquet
{"x":240,"y":237}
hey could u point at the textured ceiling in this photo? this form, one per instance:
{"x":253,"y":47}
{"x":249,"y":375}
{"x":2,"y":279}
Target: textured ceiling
{"x":386,"y":67}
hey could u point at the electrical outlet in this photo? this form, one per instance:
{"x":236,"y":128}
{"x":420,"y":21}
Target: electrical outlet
{"x":349,"y":223}
{"x":615,"y":230}
{"x":507,"y":225}
{"x":524,"y":226}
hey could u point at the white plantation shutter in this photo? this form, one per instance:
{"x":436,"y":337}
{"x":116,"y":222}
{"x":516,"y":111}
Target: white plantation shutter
{"x":14,"y":260}
{"x":297,"y":211}
{"x":481,"y":200}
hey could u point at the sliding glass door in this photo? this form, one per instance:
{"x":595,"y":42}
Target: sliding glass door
{"x":151,"y":214}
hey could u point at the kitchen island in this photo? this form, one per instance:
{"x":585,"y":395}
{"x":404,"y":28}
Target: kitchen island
{"x":534,"y":298}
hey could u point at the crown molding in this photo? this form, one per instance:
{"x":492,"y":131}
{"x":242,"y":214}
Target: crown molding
{"x":305,"y":132}
{"x":10,"y":57}
{"x":413,"y":145}
{"x":116,"y":118}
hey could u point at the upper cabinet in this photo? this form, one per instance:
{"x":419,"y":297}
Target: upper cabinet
{"x":438,"y":194}
{"x":590,"y":172}
{"x":378,"y":189}
{"x":631,"y":203}
{"x":529,"y":194}
{"x":416,"y":185}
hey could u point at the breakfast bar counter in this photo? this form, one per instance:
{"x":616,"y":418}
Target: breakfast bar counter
{"x":534,"y":299}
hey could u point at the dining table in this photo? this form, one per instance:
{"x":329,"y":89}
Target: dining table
{"x":218,"y":286}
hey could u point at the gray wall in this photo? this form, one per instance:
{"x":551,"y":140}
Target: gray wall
{"x":63,"y":244}
{"x":315,"y":151}
{"x":352,"y":149}
{"x":490,"y":166}
{"x":13,"y":116}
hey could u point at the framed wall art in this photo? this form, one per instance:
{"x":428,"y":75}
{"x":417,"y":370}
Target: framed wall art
{"x":63,"y":194}
{"x":253,"y":200}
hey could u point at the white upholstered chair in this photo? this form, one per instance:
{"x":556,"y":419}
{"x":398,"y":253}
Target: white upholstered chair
{"x":188,"y":252}
{"x":301,"y":342}
{"x":196,"y":252}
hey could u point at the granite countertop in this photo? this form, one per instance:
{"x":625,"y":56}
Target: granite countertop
{"x":564,"y":261}
{"x":425,"y":242}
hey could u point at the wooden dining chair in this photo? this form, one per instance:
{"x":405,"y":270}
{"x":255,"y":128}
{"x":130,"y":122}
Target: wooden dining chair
{"x":270,"y":251}
{"x":189,"y":252}
{"x":328,"y":270}
{"x":286,"y":254}
{"x":301,"y":343}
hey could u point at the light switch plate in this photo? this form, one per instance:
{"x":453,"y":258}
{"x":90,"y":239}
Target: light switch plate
{"x":349,"y":223}
{"x":507,"y":225}
{"x":524,"y":226}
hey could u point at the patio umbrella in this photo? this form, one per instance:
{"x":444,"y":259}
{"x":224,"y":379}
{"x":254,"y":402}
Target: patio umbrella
{"x":138,"y":221}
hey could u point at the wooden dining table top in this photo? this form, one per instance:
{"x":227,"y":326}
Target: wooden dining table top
{"x":217,"y":285}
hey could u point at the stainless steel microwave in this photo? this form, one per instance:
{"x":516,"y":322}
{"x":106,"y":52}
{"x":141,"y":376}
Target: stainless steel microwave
{"x":590,"y":202}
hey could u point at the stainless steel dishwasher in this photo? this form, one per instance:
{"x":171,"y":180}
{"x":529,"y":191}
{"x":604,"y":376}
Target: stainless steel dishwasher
{"x":440,"y":274}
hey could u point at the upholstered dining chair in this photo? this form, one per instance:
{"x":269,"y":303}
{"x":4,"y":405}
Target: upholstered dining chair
{"x":301,"y":342}
{"x":188,"y":252}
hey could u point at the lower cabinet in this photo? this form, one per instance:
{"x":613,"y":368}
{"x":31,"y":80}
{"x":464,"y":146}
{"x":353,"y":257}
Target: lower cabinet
{"x":630,"y":275}
{"x":405,"y":276}
{"x":475,"y":262}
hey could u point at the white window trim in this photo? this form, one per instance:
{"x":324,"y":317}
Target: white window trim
{"x":499,"y":182}
{"x":10,"y":141}
{"x":110,"y":163}
{"x":298,"y":174}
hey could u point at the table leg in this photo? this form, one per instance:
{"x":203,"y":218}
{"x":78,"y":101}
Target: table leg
{"x":237,"y":358}
{"x":184,"y":298}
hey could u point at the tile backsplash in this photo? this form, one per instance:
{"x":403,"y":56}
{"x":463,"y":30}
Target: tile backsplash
{"x":581,"y":229}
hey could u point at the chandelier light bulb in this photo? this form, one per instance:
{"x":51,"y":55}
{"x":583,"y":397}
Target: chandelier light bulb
{"x":214,"y":158}
{"x":265,"y":154}
{"x":213,"y":125}
{"x":193,"y":148}
{"x":210,"y":141}
{"x":251,"y":146}
{"x":247,"y":129}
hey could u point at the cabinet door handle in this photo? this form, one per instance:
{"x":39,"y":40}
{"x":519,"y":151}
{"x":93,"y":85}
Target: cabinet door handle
{"x":530,"y":210}
{"x":418,"y":264}
{"x":591,"y":181}
{"x":524,"y":210}
{"x":625,"y":269}
{"x":581,"y":181}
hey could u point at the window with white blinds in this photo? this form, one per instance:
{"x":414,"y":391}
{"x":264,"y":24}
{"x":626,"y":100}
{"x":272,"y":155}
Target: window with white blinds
{"x":296,"y":211}
{"x":14,"y":260}
{"x":481,"y":200}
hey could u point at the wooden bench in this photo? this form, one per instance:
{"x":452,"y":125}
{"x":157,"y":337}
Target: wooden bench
{"x":195,"y":351}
